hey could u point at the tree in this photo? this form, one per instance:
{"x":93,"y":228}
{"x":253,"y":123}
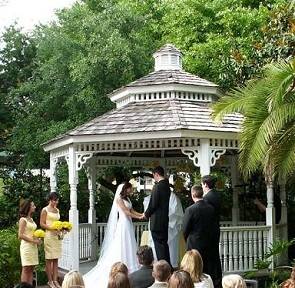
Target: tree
{"x":228,"y":42}
{"x":268,"y":132}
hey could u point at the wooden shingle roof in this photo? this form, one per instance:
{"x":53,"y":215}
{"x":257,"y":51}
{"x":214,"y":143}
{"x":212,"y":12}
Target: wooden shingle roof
{"x":162,"y":115}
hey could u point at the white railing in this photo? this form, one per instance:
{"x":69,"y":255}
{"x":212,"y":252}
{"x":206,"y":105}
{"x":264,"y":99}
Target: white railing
{"x":241,"y":223}
{"x":241,"y":246}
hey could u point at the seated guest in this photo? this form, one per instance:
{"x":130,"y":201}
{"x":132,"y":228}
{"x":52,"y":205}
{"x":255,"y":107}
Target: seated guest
{"x":73,"y":279}
{"x":119,"y":280}
{"x":233,"y":281}
{"x":143,"y":277}
{"x":161,"y":273}
{"x":118,"y":267}
{"x":180,"y":279}
{"x":193,"y":264}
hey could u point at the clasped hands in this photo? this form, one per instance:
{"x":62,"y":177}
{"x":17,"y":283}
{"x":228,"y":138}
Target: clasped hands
{"x":142,"y":217}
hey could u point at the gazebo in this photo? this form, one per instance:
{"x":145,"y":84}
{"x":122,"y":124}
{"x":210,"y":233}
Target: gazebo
{"x":163,"y":117}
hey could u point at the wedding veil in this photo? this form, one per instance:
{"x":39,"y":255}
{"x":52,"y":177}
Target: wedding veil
{"x":112,"y":223}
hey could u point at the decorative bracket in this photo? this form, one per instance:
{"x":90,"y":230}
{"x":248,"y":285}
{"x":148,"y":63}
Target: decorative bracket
{"x":215,"y":155}
{"x":82,"y":159}
{"x":193,"y":154}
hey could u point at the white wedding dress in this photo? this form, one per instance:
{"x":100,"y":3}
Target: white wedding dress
{"x":119,"y":245}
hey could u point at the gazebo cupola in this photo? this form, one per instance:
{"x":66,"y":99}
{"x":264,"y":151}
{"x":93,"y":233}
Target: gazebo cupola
{"x":168,"y":81}
{"x":168,"y":58}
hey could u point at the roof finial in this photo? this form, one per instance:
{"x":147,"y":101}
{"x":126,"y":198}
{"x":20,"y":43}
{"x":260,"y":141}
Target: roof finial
{"x":168,"y":58}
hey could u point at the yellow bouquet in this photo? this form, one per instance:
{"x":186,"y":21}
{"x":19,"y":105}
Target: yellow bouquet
{"x":67,"y":226}
{"x":39,"y":233}
{"x":56,"y":225}
{"x":62,"y":228}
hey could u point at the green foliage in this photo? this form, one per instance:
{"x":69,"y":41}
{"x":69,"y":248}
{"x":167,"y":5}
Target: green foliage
{"x":10,"y":265}
{"x":267,"y":137}
{"x":21,"y":185}
{"x":277,"y":275}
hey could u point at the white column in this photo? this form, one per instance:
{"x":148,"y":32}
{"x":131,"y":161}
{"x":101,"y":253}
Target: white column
{"x":91,"y":175}
{"x":53,"y":180}
{"x":284,"y":219}
{"x":73,"y":213}
{"x":205,"y":155}
{"x":234,"y":182}
{"x":270,"y":213}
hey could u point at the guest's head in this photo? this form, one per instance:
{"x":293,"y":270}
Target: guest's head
{"x":118,"y":267}
{"x":27,"y":208}
{"x":193,"y":264}
{"x":119,"y":280}
{"x":161,"y":271}
{"x":73,"y":279}
{"x":158,"y":173}
{"x":24,"y":285}
{"x":197,"y":193}
{"x":145,"y":255}
{"x":208,"y":182}
{"x":126,"y":190}
{"x":180,"y":279}
{"x":53,"y":199}
{"x":233,"y":281}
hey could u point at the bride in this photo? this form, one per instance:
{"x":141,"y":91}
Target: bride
{"x":119,"y":242}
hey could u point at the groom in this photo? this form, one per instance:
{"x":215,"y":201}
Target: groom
{"x":158,"y":211}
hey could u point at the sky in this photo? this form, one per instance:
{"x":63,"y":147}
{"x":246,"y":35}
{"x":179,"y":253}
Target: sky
{"x":29,"y":12}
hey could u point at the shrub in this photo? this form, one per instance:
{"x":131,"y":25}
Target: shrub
{"x":10,"y":265}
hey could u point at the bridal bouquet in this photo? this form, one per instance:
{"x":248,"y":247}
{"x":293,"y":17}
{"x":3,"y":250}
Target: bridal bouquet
{"x":39,"y":233}
{"x":62,"y":228}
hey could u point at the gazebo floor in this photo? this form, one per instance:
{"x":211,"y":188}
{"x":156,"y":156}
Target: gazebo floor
{"x":86,"y":266}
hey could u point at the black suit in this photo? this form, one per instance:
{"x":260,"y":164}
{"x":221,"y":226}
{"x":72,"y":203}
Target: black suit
{"x":142,"y":278}
{"x":197,"y":229}
{"x":158,"y":211}
{"x":213,"y":198}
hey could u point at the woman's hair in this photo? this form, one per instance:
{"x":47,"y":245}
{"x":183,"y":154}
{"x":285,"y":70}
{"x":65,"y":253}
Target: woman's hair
{"x":233,"y":281}
{"x":180,"y":279}
{"x":73,"y":279}
{"x":124,"y":192}
{"x":52,"y":196}
{"x":193,"y":264}
{"x":120,"y":280}
{"x":25,"y":207}
{"x":118,"y":267}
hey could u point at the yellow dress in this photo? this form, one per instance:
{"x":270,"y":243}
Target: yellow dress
{"x":28,"y":250}
{"x":52,"y":244}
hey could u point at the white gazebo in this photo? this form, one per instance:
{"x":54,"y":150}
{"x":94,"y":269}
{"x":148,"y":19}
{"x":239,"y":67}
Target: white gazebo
{"x":163,"y":117}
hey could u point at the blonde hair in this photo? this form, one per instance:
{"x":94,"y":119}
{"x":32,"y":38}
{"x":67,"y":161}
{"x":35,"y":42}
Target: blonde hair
{"x":118,"y":267}
{"x":233,"y":281}
{"x":193,"y":264}
{"x":73,"y":279}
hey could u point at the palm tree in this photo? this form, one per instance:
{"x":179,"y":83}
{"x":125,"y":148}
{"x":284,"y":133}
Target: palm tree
{"x":267,"y":137}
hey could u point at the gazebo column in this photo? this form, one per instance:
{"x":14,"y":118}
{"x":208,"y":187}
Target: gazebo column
{"x":90,"y":170}
{"x":270,"y":212}
{"x":284,"y":215}
{"x":53,"y":179}
{"x":234,"y":181}
{"x":73,"y":213}
{"x":205,"y":154}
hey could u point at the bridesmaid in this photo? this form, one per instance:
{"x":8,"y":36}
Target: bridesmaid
{"x":29,"y":244}
{"x":52,"y":244}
